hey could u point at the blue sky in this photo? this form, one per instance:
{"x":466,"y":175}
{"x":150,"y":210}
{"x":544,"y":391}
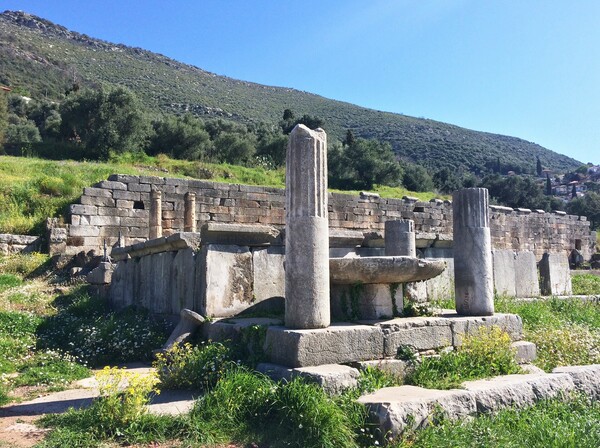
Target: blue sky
{"x":527,"y":68}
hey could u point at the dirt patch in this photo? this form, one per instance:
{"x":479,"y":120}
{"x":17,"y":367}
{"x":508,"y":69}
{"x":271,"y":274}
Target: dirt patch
{"x":20,"y":432}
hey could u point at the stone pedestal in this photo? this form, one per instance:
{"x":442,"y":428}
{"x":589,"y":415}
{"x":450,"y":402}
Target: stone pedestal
{"x":155,"y":224}
{"x":307,"y":230}
{"x":400,"y":238}
{"x":189,"y":218}
{"x":555,"y":275}
{"x":473,"y":270}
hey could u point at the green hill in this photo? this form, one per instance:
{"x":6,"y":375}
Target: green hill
{"x":40,"y":58}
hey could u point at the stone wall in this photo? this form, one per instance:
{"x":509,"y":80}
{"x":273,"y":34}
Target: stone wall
{"x":120,"y":206}
{"x":10,"y":244}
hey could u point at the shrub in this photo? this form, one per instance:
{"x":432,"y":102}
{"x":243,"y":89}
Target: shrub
{"x":123,"y":396}
{"x":486,"y":353}
{"x":186,"y":366}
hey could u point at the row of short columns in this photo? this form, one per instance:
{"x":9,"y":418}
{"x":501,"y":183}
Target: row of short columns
{"x":155,"y":219}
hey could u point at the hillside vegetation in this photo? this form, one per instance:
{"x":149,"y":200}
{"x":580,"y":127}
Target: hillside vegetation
{"x":41,"y":59}
{"x":33,"y":189}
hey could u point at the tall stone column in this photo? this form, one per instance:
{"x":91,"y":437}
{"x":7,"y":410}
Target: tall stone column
{"x":307,"y":230}
{"x":155,"y":214}
{"x":400,"y":238}
{"x":189,"y":217}
{"x":473,"y":272}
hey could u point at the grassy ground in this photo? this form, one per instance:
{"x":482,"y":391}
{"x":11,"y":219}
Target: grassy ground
{"x":32,"y":190}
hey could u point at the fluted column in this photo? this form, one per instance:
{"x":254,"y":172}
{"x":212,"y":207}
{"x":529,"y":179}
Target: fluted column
{"x":473,"y":272}
{"x":307,"y":230}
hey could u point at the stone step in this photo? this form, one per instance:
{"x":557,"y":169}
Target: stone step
{"x":398,"y":409}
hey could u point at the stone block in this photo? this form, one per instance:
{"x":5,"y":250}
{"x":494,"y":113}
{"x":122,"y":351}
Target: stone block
{"x":421,"y":333}
{"x":345,"y":238}
{"x":84,"y":230}
{"x":333,"y":378}
{"x":181,"y":280}
{"x":517,"y":390}
{"x":127,"y":195}
{"x":402,"y":408}
{"x":111,"y":185}
{"x":585,"y":378}
{"x":461,"y":325}
{"x":101,"y":275}
{"x":139,"y":187}
{"x":526,"y":275}
{"x":269,"y":273}
{"x":338,"y":343}
{"x":97,"y":192}
{"x":105,"y":221}
{"x":525,"y":352}
{"x":365,"y":301}
{"x":504,"y":272}
{"x":98,"y":201}
{"x":81,"y":209}
{"x":395,"y":367}
{"x":227,"y":276}
{"x":555,"y":274}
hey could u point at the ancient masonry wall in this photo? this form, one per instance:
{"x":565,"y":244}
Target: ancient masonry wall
{"x":120,"y":206}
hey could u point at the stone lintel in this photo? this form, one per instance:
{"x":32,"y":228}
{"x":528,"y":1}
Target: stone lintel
{"x":176,"y":241}
{"x":239,"y":234}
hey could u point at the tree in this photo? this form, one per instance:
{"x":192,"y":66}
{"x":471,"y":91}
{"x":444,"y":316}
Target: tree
{"x":105,"y":120}
{"x":21,"y":131}
{"x":362,"y":165}
{"x":417,"y":178}
{"x":234,"y":148}
{"x":446,"y":181}
{"x":538,"y":167}
{"x":288,"y":122}
{"x":574,"y":191}
{"x":548,"y":185}
{"x":272,"y":146}
{"x":519,"y":191}
{"x":589,"y":206}
{"x":349,"y":138}
{"x":180,"y":137}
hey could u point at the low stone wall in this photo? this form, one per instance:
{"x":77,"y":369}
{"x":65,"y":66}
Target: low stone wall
{"x":120,"y":206}
{"x":10,"y":244}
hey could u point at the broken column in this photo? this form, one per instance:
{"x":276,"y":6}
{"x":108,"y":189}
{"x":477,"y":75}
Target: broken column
{"x":307,"y":230}
{"x":189,"y":218}
{"x":473,"y":271}
{"x":155,"y":214}
{"x":400,"y":238}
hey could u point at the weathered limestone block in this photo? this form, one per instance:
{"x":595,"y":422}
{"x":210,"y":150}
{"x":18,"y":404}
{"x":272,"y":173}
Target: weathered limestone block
{"x":555,"y":275}
{"x":525,"y":352}
{"x":227,"y":280}
{"x":461,"y":325}
{"x":398,"y":409}
{"x":365,"y":301}
{"x":101,"y":274}
{"x":526,"y":275}
{"x":517,"y":390}
{"x":307,"y":230}
{"x":396,"y":367}
{"x":181,"y":281}
{"x":585,"y":378}
{"x":337,"y":344}
{"x":269,"y":273}
{"x":333,"y":378}
{"x":239,"y":234}
{"x":504,"y":272}
{"x":473,"y":271}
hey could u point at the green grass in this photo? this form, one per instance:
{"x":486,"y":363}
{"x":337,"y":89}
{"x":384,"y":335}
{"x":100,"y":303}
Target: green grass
{"x":586,"y":284}
{"x":8,"y":281}
{"x":548,"y":424}
{"x":483,"y":354}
